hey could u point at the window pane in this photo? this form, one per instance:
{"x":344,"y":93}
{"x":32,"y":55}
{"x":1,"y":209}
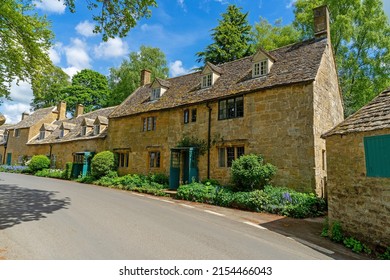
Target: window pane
{"x":154,"y":123}
{"x":193,"y":117}
{"x":231,"y":108}
{"x":256,"y":70}
{"x":230,"y":156}
{"x":222,"y":110}
{"x":240,"y":151}
{"x":157,"y":159}
{"x":263,"y":67}
{"x":221,"y":157}
{"x":144,"y":124}
{"x":150,"y":123}
{"x":239,"y":107}
{"x":186,"y":116}
{"x":152,"y":157}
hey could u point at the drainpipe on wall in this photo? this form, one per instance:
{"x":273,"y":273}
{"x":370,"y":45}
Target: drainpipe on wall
{"x":208,"y":141}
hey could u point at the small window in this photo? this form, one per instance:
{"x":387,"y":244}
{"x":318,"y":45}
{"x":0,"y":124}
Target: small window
{"x":156,"y":92}
{"x":260,"y":68}
{"x":186,"y":116}
{"x":83,"y":130}
{"x":207,"y":80}
{"x":193,"y":115}
{"x":231,"y":108}
{"x":149,"y":124}
{"x":227,"y":155}
{"x":41,"y":135}
{"x":17,"y":132}
{"x":323,"y":160}
{"x":123,"y":159}
{"x":96,"y":129}
{"x":154,"y":159}
{"x":62,"y":133}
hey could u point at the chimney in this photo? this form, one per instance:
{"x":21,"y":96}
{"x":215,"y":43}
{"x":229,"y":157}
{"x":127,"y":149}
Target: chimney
{"x":25,"y":115}
{"x":61,"y":108}
{"x":321,"y":22}
{"x":145,"y":77}
{"x":79,"y":110}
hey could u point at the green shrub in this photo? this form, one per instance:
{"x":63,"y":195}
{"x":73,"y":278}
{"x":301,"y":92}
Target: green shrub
{"x":250,"y":172}
{"x":197,"y":192}
{"x":102,"y":163}
{"x":159,"y":178}
{"x":68,"y":170}
{"x":211,"y":181}
{"x":356,"y":245}
{"x":385,"y":255}
{"x":38,"y":162}
{"x":51,"y":173}
{"x":335,"y":232}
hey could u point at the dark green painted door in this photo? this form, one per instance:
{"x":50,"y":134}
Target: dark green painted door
{"x":9,"y":158}
{"x":377,"y":152}
{"x":193,"y":173}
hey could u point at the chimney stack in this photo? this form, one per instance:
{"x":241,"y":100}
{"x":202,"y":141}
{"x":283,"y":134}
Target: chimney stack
{"x":145,"y":77}
{"x":25,"y":115}
{"x":79,"y":110}
{"x":321,"y":22}
{"x":61,"y":108}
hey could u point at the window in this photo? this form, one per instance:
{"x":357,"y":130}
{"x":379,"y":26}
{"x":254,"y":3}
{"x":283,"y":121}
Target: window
{"x":17,"y":132}
{"x":207,"y":80}
{"x":231,"y":108}
{"x":228,"y":154}
{"x":193,"y":115}
{"x":186,"y":116}
{"x":155,"y":93}
{"x":96,"y":129}
{"x":41,"y":135}
{"x":62,"y":133}
{"x":83,"y":130}
{"x":149,"y":124}
{"x":377,"y":153}
{"x":154,"y":159}
{"x":123,"y":159}
{"x":260,"y":68}
{"x":323,"y":160}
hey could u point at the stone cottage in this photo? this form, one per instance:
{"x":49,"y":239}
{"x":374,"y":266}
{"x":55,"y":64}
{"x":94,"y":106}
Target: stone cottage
{"x":358,"y":160}
{"x":275,"y":103}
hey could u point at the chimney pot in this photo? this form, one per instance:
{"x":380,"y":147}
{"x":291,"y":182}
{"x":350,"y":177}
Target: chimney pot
{"x":321,"y":22}
{"x":25,"y":115}
{"x":145,"y":77}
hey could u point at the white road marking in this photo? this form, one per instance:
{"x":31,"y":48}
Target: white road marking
{"x":168,"y":201}
{"x":254,"y":225}
{"x":186,"y":205}
{"x":137,"y":194}
{"x":214,"y":213}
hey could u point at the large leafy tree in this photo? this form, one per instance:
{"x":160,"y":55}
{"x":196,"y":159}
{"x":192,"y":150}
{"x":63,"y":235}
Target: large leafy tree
{"x":232,"y":38}
{"x":272,"y":36}
{"x":360,"y":36}
{"x":25,"y":39}
{"x":126,"y":78}
{"x":89,"y":88}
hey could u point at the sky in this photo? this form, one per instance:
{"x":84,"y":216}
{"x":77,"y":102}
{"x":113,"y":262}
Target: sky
{"x":180,"y":28}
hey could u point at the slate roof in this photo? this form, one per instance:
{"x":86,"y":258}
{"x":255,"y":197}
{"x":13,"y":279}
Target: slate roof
{"x":34,"y":117}
{"x":373,"y":116}
{"x":74,"y":127}
{"x":293,"y":64}
{"x":48,"y":127}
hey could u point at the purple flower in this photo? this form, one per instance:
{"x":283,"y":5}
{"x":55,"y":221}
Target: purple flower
{"x":287,"y":197}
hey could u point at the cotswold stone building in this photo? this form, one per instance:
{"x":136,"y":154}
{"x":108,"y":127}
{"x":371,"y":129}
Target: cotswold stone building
{"x":275,"y":103}
{"x":359,"y":172}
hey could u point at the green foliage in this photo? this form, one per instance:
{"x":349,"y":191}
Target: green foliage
{"x":276,"y":200}
{"x":38,"y":162}
{"x":250,"y":172}
{"x":385,"y":255}
{"x":159,"y":178}
{"x":211,"y":182}
{"x":89,"y":88}
{"x":356,"y":245}
{"x":231,"y":38}
{"x":115,"y":18}
{"x":192,"y":141}
{"x":51,"y":173}
{"x":270,"y":37}
{"x":125,"y":79}
{"x":68,"y":170}
{"x":102,"y":164}
{"x":335,"y":232}
{"x":25,"y":39}
{"x":14,"y":169}
{"x":360,"y":36}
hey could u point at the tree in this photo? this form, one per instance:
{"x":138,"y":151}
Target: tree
{"x":270,"y":37}
{"x":360,"y":36}
{"x":48,"y":90}
{"x":126,"y":78}
{"x":89,"y":88}
{"x":232,"y":38}
{"x":25,"y":39}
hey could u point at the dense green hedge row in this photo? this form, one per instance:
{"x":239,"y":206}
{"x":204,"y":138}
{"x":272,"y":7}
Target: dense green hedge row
{"x":275,"y":200}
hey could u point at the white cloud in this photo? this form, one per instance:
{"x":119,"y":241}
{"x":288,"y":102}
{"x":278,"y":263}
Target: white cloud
{"x":55,"y":53}
{"x":85,"y":28}
{"x":290,"y":4}
{"x":176,"y":68}
{"x":115,"y":47}
{"x":77,"y":54}
{"x":71,"y":71}
{"x":21,"y":98}
{"x":54,"y":6}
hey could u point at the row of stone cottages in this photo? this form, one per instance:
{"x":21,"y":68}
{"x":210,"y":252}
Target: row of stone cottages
{"x":278,"y":104}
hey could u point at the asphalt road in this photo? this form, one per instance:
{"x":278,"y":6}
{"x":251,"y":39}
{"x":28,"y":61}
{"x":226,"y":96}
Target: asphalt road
{"x":47,"y":219}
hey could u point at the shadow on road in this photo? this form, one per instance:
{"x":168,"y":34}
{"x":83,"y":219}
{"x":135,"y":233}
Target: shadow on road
{"x":18,"y":205}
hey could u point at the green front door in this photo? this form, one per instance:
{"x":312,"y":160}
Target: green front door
{"x":9,"y":158}
{"x":184,"y":167}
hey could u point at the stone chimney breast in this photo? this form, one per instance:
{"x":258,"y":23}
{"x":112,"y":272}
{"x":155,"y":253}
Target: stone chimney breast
{"x":25,"y":115}
{"x":79,"y":110}
{"x":145,"y":77}
{"x":61,"y":108}
{"x":321,"y":22}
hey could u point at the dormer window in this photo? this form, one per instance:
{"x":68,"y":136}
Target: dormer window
{"x":207,"y":80}
{"x":260,"y":68}
{"x":62,"y":133}
{"x":156,"y":92}
{"x":83,"y":130}
{"x":41,"y":135}
{"x":96,"y":129}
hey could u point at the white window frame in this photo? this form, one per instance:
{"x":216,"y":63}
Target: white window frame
{"x":42,"y":134}
{"x":207,"y":80}
{"x":83,"y":130}
{"x":96,"y":129}
{"x":156,"y":93}
{"x":260,"y":68}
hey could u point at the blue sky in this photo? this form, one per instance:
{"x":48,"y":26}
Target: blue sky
{"x":180,"y":28}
